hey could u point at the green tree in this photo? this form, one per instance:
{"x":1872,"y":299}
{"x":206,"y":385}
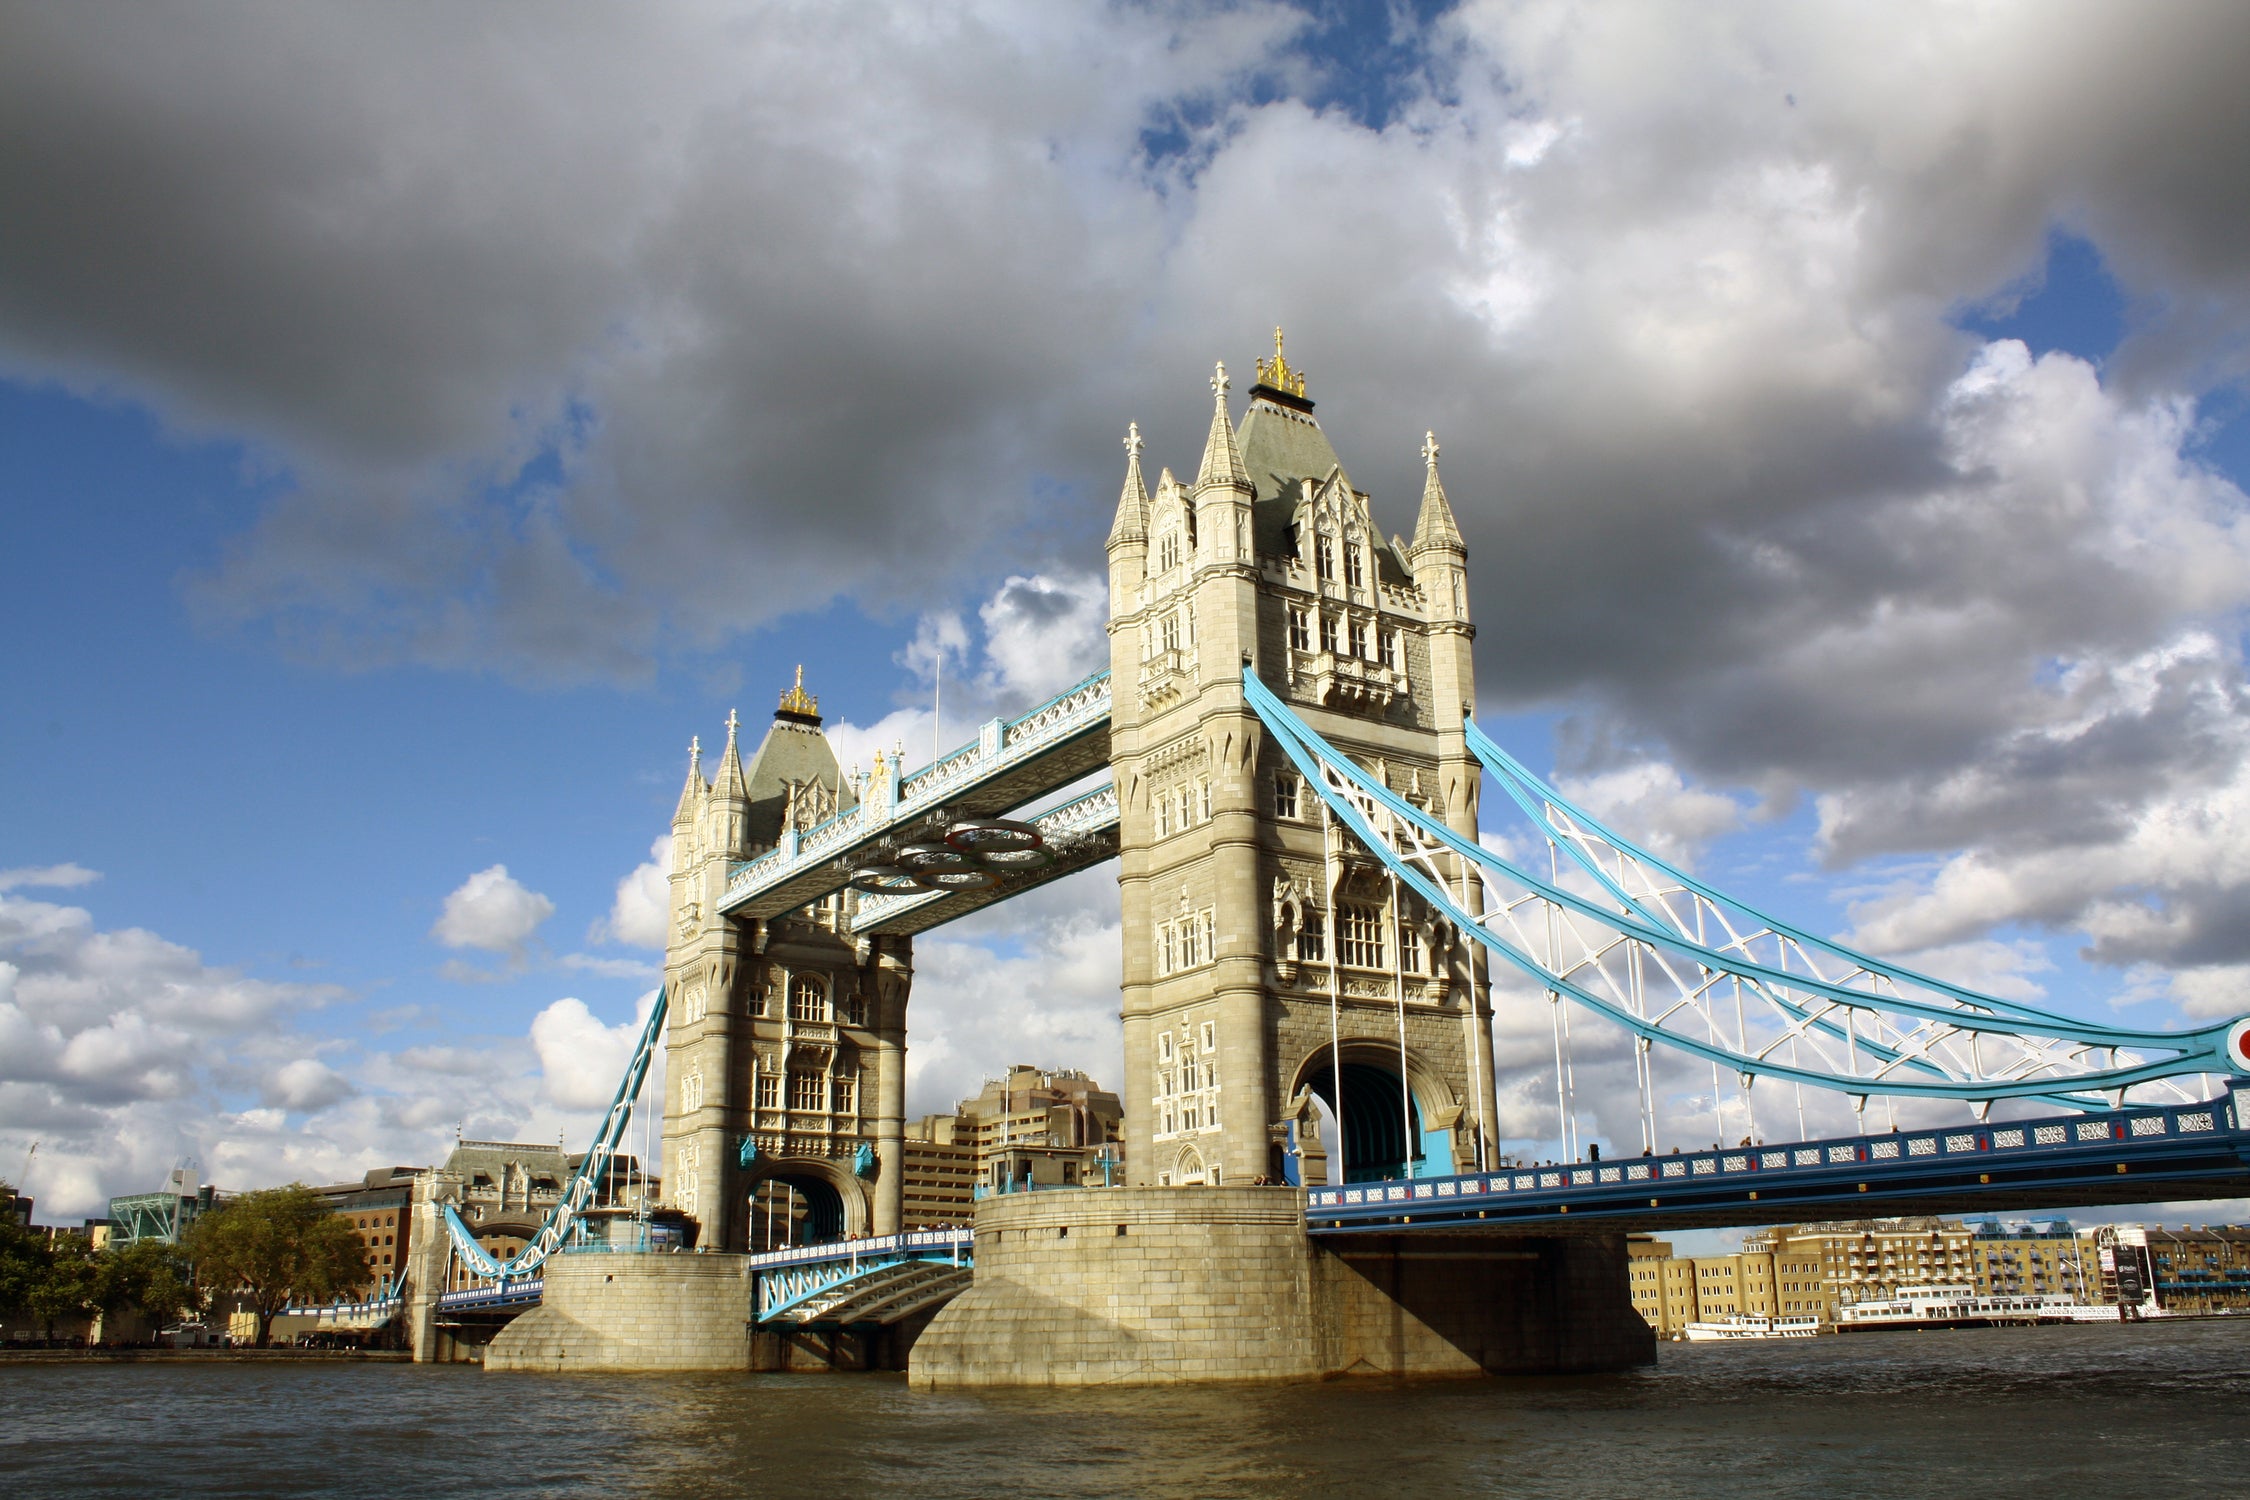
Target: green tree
{"x":147,"y":1276}
{"x":276,"y":1246}
{"x":66,"y":1288}
{"x":24,"y":1257}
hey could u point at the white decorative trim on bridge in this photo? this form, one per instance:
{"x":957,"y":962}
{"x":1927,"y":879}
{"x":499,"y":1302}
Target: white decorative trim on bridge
{"x":1012,"y":762}
{"x":877,"y":1280}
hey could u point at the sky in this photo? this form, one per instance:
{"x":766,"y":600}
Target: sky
{"x":415,"y":424}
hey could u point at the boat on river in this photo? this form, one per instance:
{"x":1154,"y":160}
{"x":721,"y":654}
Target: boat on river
{"x":1963,"y":1307}
{"x":1746,"y":1326}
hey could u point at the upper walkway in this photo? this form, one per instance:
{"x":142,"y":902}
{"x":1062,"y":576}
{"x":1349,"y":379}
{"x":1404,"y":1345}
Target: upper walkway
{"x":1012,"y":763}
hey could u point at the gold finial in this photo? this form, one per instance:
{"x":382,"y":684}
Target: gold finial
{"x":797,"y":700}
{"x":1277,"y":373}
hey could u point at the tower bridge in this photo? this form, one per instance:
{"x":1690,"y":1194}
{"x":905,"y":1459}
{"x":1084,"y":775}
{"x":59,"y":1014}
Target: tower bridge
{"x":1283,"y":761}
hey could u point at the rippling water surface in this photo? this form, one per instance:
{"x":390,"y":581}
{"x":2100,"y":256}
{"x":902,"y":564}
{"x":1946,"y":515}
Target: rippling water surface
{"x":2052,"y":1412}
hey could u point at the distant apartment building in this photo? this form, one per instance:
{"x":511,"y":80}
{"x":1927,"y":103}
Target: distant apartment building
{"x":1040,"y":1128}
{"x":2205,"y":1269}
{"x":1864,"y":1260}
{"x":2023,"y":1260}
{"x":941,"y":1175}
{"x":378,"y":1207}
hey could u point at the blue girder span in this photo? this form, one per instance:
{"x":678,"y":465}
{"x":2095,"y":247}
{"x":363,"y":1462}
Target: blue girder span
{"x":2129,"y":1155}
{"x":1910,"y":1063}
{"x":578,"y":1193}
{"x":789,"y":1279}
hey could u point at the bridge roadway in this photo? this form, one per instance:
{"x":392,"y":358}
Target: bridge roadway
{"x":2132,"y":1155}
{"x":1011,"y":764}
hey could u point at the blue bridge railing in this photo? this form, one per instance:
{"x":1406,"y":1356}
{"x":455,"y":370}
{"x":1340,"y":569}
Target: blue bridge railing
{"x":2067,"y":1155}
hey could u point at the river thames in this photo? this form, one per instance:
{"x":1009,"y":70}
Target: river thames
{"x":1978,"y":1413}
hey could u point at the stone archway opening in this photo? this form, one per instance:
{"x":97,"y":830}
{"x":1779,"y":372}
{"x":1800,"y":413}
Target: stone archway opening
{"x":1373,"y":1134}
{"x":795,"y":1208}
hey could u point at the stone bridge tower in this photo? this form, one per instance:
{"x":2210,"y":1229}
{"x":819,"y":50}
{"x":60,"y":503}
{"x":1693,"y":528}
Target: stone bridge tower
{"x":788,"y":1035}
{"x":1270,"y":969}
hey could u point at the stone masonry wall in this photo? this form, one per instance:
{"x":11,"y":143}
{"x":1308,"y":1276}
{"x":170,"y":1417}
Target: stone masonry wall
{"x":1433,"y":1304}
{"x":633,"y":1312}
{"x":1153,"y":1286}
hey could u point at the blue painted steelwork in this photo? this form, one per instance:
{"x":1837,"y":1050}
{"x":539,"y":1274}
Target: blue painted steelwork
{"x":1659,"y":972}
{"x":517,"y":1294}
{"x":390,"y":1296}
{"x":788,"y":1279}
{"x":2122,"y":1156}
{"x":578,"y":1193}
{"x":1011,"y":763}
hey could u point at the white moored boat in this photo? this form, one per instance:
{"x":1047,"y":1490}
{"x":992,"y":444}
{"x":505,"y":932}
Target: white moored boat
{"x":1743,"y":1326}
{"x":1962,"y":1307}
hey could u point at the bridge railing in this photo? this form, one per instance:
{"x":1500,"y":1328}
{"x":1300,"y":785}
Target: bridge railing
{"x":1004,"y":745}
{"x":1853,"y":1163}
{"x":913,"y":1242}
{"x":505,"y":1294}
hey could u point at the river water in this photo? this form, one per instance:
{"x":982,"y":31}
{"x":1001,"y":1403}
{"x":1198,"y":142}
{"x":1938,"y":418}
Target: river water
{"x":1975,"y":1414}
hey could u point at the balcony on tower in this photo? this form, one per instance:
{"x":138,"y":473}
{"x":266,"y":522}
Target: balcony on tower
{"x":1336,"y":680}
{"x":1166,"y":676}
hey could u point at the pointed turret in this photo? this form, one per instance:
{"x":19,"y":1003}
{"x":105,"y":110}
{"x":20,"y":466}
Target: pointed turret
{"x":1131,"y":524}
{"x":731,"y":782}
{"x":730,"y":797}
{"x":691,"y":795}
{"x":1222,"y":459}
{"x":1435,"y":526}
{"x":1439,"y":557}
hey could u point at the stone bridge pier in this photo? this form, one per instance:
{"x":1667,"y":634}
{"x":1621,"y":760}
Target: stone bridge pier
{"x":1158,"y":1286}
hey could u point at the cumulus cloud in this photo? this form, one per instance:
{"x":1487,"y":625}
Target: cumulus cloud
{"x":1651,"y":804}
{"x":574,"y":393}
{"x":637,"y":915}
{"x":49,"y":877}
{"x":124,"y":1055}
{"x":1035,"y":981}
{"x":307,"y":1086}
{"x":580,"y":1058}
{"x":493,"y":911}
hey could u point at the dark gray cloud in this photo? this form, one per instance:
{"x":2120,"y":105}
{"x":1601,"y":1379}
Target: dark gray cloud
{"x":581,"y":344}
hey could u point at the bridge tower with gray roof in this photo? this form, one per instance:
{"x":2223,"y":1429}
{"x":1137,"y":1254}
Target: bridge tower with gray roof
{"x":1268,"y":963}
{"x":785,"y":1081}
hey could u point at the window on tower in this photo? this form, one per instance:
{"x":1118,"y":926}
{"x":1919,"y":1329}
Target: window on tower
{"x":805,"y":1090}
{"x":1168,"y":552}
{"x":1300,"y":630}
{"x":769,"y":1091}
{"x":1285,"y":794}
{"x":1359,"y":936}
{"x":1359,"y":638}
{"x":1324,"y":562}
{"x":1355,"y":568}
{"x":1328,"y":634}
{"x":1409,"y":947}
{"x":808,"y":999}
{"x":1312,"y":938}
{"x":1390,"y":649}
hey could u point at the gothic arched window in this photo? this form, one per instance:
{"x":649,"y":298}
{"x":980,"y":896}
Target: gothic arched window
{"x":808,"y":999}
